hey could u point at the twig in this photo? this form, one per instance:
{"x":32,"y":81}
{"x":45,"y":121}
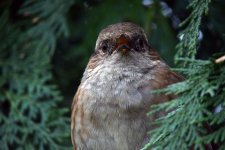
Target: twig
{"x":219,"y":60}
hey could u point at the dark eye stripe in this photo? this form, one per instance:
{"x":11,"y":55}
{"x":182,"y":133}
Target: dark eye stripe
{"x":138,"y":43}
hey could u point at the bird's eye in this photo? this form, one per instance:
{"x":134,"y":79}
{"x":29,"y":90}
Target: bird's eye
{"x":139,"y":44}
{"x":104,"y":47}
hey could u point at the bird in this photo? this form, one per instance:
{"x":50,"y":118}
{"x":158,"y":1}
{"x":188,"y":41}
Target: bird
{"x":109,"y":109}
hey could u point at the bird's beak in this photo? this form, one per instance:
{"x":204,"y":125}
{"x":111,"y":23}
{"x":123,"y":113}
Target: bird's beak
{"x":123,"y":44}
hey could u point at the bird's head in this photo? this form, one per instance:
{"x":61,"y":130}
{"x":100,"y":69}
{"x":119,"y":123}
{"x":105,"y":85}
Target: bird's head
{"x":123,"y":38}
{"x":122,"y":43}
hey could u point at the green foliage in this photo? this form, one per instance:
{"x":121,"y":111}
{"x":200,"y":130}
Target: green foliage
{"x":196,"y":117}
{"x":199,"y":96}
{"x":189,"y":36}
{"x":30,"y":117}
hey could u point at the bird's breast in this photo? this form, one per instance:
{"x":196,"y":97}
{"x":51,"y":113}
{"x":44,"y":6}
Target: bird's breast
{"x":118,"y":86}
{"x":116,"y":101}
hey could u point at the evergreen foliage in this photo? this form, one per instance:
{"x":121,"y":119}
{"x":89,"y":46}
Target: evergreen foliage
{"x":30,"y":117}
{"x":189,"y":36}
{"x":196,"y":117}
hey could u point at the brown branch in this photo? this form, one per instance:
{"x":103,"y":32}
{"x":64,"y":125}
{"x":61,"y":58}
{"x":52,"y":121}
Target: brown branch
{"x":220,"y":60}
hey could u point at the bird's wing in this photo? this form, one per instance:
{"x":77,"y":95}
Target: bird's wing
{"x":162,"y":76}
{"x":74,"y":110}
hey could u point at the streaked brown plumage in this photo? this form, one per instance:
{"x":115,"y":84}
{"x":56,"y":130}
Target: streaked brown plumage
{"x":110,"y":105}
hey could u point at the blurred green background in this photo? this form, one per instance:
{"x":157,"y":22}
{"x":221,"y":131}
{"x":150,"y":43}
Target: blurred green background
{"x":46,"y":44}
